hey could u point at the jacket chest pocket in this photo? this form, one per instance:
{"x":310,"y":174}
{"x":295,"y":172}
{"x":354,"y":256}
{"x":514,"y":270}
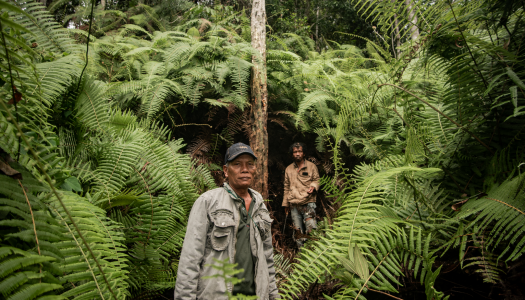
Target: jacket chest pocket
{"x":222,"y":231}
{"x":303,"y":177}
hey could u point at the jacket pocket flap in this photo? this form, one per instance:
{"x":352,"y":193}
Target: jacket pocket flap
{"x":266,"y":217}
{"x":221,"y":233}
{"x":223,"y":227}
{"x":224,"y":220}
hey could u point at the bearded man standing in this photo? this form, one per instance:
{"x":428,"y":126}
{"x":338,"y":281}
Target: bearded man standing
{"x":230,"y":222}
{"x":301,"y":181}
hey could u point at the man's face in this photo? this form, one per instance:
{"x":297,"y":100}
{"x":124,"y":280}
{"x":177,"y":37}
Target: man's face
{"x":240,"y":171}
{"x":298,"y":154}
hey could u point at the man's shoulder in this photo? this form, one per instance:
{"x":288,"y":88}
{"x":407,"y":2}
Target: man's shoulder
{"x":211,"y":194}
{"x":290,"y":167}
{"x":214,"y":191}
{"x":310,"y":164}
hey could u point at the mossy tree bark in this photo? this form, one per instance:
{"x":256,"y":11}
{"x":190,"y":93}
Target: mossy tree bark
{"x":259,"y":98}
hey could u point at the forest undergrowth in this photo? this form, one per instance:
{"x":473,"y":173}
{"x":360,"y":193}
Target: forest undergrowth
{"x":110,"y":130}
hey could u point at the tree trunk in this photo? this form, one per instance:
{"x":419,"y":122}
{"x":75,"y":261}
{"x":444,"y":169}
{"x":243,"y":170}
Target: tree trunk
{"x":398,"y":38}
{"x":259,"y":101}
{"x":412,"y":18}
{"x":281,"y":6}
{"x":103,"y":4}
{"x":307,"y":10}
{"x":317,"y":30}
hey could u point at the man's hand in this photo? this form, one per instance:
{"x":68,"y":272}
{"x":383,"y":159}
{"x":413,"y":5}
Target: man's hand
{"x":311,"y":190}
{"x":287,"y":210}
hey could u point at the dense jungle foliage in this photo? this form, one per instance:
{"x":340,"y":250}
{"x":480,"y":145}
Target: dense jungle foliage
{"x":114,"y":117}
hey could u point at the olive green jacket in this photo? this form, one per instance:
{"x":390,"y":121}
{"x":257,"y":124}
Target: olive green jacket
{"x":211,"y":234}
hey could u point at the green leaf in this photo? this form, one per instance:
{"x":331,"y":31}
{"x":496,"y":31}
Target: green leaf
{"x":514,"y":95}
{"x":347,"y":264}
{"x":124,"y":198}
{"x":356,"y":263}
{"x":515,"y":78}
{"x":9,"y":23}
{"x":492,"y":84}
{"x":194,"y":32}
{"x":35,"y":290}
{"x":9,"y":266}
{"x":12,"y":8}
{"x":72,"y":184}
{"x":361,"y":264}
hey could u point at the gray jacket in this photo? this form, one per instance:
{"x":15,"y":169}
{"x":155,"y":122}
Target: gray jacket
{"x":211,"y":233}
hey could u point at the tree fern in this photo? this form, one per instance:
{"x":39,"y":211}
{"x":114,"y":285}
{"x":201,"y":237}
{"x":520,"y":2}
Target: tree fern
{"x":175,"y":66}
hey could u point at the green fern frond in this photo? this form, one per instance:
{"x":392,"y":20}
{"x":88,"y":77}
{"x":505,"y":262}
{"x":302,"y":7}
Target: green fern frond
{"x":47,"y":33}
{"x":502,"y":209}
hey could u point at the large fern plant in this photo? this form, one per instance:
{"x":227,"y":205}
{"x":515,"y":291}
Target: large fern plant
{"x":94,"y":199}
{"x":449,"y":101}
{"x":165,"y":70}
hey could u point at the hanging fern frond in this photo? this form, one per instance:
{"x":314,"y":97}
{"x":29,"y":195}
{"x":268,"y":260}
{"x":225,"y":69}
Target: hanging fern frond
{"x":29,"y":255}
{"x":80,"y":269}
{"x":502,"y":209}
{"x":48,"y":34}
{"x":91,"y":107}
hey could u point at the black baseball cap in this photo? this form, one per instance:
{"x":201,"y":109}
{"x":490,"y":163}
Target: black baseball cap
{"x":237,"y":149}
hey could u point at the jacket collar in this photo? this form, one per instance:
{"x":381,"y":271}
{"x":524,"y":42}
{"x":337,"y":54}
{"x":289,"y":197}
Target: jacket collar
{"x":304,"y":164}
{"x":234,"y":195}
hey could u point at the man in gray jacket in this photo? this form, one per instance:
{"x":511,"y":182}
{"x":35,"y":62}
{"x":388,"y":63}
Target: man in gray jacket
{"x":230,"y":222}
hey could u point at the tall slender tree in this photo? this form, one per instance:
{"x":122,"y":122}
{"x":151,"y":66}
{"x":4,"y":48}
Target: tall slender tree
{"x":259,"y":97}
{"x":412,"y":18}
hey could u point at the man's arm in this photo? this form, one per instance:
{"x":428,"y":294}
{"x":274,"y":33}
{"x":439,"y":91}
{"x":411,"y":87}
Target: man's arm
{"x":315,"y":178}
{"x":192,"y":252}
{"x":286,"y":189}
